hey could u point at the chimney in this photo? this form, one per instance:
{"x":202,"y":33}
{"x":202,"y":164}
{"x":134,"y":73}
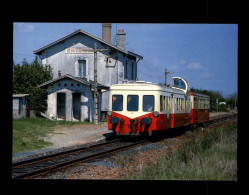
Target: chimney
{"x":59,"y":73}
{"x":106,"y":32}
{"x":121,"y":38}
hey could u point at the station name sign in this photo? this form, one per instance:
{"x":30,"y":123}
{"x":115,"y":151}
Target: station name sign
{"x":75,"y":50}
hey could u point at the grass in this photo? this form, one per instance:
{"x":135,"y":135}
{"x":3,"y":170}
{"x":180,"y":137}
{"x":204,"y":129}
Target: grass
{"x":29,"y":133}
{"x":208,"y":155}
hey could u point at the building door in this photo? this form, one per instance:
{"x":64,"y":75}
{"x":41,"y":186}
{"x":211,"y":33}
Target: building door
{"x":77,"y":105}
{"x":61,"y":105}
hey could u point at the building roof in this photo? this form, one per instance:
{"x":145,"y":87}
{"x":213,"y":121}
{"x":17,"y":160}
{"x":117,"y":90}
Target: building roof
{"x":20,"y":95}
{"x":78,"y":79}
{"x":38,"y":51}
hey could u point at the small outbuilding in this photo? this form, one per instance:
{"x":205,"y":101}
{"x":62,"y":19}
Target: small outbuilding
{"x":70,"y":98}
{"x":22,"y":106}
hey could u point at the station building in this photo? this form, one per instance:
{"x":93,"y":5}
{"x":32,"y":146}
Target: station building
{"x":70,"y":92}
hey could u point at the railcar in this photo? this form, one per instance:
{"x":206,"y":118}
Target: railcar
{"x":200,"y":107}
{"x":143,"y":107}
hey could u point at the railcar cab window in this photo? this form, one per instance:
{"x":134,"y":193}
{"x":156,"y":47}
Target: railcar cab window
{"x":132,"y":103}
{"x":178,"y":83}
{"x":148,"y":103}
{"x":117,"y":103}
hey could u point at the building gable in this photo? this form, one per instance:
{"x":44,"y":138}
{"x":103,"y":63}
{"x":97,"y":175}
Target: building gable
{"x":104,"y":43}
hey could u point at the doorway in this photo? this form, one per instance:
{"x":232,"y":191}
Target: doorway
{"x":77,"y":106}
{"x":61,"y":105}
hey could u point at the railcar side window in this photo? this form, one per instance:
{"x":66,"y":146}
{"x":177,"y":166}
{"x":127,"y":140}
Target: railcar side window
{"x":161,"y":103}
{"x":195,"y":103}
{"x":165,"y":103}
{"x":117,"y":103}
{"x":132,"y":103}
{"x":168,"y":103}
{"x":148,"y":103}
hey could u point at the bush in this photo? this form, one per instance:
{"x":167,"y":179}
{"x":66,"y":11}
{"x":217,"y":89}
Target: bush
{"x":86,"y":120}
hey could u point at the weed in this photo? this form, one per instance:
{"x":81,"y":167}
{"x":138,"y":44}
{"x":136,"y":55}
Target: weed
{"x":208,"y":155}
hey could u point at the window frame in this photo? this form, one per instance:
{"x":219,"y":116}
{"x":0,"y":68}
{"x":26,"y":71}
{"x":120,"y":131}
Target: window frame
{"x":137,"y":103}
{"x":122,"y":102}
{"x":153,"y":103}
{"x":81,"y":65}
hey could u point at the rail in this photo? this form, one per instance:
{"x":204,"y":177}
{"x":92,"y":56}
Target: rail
{"x":41,"y":165}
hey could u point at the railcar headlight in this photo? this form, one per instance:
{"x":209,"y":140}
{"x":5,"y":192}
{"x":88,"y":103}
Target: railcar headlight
{"x":155,"y":114}
{"x":109,"y":113}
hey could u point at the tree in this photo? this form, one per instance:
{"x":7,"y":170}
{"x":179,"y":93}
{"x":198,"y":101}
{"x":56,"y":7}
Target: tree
{"x":231,"y":100}
{"x":27,"y":77}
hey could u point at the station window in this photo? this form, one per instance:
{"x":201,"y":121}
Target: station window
{"x":125,"y":72}
{"x":82,"y":68}
{"x":132,"y":103}
{"x":117,"y":102}
{"x":132,"y":77}
{"x":148,"y":103}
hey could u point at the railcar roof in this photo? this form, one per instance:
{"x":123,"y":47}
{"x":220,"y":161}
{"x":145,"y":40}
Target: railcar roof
{"x":144,"y":87}
{"x":199,"y":94}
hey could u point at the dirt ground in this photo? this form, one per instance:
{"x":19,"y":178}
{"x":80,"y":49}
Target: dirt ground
{"x":64,"y":136}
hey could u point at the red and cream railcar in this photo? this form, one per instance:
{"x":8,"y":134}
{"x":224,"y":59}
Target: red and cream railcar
{"x":200,"y":107}
{"x":137,"y":108}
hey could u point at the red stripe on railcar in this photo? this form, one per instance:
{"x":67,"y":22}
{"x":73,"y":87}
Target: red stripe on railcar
{"x":199,"y":115}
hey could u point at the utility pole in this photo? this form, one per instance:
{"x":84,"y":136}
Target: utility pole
{"x":166,"y":76}
{"x":95,"y":94}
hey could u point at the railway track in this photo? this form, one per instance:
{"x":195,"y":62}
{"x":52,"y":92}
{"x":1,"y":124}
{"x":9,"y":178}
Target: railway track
{"x":216,"y":120}
{"x":46,"y":164}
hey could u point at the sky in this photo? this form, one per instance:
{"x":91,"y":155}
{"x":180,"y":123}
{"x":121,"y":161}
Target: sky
{"x":205,"y":55}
